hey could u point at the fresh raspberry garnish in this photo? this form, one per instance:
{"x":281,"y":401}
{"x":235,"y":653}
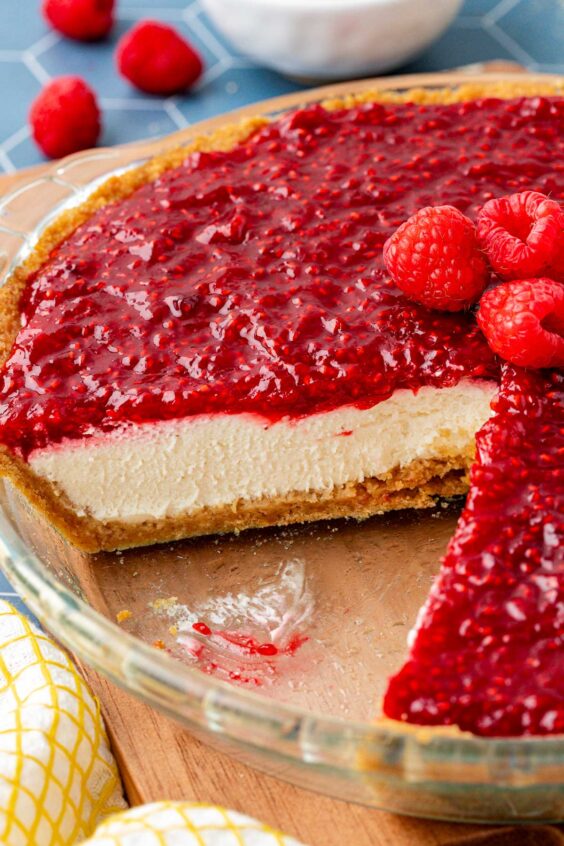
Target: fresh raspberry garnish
{"x":435,"y":259}
{"x":523,"y":235}
{"x":156,"y":59}
{"x":85,"y":20}
{"x":523,"y":322}
{"x":65,"y":117}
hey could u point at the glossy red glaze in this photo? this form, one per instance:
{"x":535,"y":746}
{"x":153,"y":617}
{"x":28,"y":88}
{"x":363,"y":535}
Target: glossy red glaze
{"x":239,"y":657}
{"x":488,"y":651}
{"x":202,"y":628}
{"x":252,"y":281}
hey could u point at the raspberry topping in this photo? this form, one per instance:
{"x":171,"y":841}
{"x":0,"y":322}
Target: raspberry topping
{"x":434,"y":258}
{"x":487,"y":654}
{"x":85,"y":20}
{"x":252,"y":280}
{"x":523,"y":235}
{"x":156,"y":59}
{"x":523,"y":322}
{"x":65,"y":117}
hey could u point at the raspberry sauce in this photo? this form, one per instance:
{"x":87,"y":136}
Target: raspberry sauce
{"x":252,"y":280}
{"x":487,"y":654}
{"x":238,"y":657}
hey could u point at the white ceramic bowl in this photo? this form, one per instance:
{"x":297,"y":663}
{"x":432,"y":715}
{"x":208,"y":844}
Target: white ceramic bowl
{"x":331,"y":39}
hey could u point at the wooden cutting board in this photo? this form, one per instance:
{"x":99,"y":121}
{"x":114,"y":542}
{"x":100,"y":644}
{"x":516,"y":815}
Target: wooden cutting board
{"x":159,"y":760}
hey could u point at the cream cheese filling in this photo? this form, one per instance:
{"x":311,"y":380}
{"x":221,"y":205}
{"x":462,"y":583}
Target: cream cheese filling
{"x":157,"y":470}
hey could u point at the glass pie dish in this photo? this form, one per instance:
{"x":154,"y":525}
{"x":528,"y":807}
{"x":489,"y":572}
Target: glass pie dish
{"x":274,"y":645}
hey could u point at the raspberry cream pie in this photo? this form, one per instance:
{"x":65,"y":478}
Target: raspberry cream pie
{"x":211,"y":342}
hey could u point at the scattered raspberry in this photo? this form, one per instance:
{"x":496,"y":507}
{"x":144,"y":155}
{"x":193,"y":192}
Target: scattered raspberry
{"x":435,"y":259}
{"x":523,"y":322}
{"x":523,"y":235}
{"x":156,"y":59}
{"x":65,"y":117}
{"x":85,"y":20}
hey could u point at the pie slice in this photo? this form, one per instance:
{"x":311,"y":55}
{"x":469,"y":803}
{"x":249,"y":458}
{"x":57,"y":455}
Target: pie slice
{"x":487,"y":650}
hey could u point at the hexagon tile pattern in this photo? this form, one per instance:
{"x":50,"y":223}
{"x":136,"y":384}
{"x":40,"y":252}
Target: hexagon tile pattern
{"x":528,"y":31}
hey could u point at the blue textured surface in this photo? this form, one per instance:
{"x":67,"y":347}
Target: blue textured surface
{"x":527,"y":31}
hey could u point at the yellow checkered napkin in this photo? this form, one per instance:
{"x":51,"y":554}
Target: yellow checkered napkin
{"x":58,"y":778}
{"x":185,"y":824}
{"x":57,"y":775}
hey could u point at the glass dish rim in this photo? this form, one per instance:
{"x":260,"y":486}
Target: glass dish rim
{"x":144,"y":670}
{"x":126,"y":659}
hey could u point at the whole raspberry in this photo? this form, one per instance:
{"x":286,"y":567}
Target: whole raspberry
{"x":523,"y":235}
{"x":85,"y":20}
{"x":65,"y":117}
{"x":156,"y":59}
{"x":523,"y":322}
{"x":435,"y":259}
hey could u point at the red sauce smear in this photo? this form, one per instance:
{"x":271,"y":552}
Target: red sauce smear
{"x":239,"y":657}
{"x":487,"y":655}
{"x":252,"y":280}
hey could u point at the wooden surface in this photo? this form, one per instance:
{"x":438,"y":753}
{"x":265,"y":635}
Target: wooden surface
{"x":183,"y":768}
{"x":160,"y":760}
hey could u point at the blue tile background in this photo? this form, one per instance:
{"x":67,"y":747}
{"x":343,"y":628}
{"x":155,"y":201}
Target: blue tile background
{"x":527,"y":31}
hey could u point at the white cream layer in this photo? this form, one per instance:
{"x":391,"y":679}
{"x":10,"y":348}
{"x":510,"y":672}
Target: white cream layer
{"x":164,"y":469}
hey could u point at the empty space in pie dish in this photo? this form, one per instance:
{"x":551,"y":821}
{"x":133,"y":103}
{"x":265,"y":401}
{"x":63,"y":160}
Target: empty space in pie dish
{"x":315,"y":616}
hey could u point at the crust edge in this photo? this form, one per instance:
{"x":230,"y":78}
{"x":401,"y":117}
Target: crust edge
{"x":418,"y":485}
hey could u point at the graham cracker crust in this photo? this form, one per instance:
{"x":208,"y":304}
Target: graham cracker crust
{"x":414,"y":486}
{"x":417,"y":485}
